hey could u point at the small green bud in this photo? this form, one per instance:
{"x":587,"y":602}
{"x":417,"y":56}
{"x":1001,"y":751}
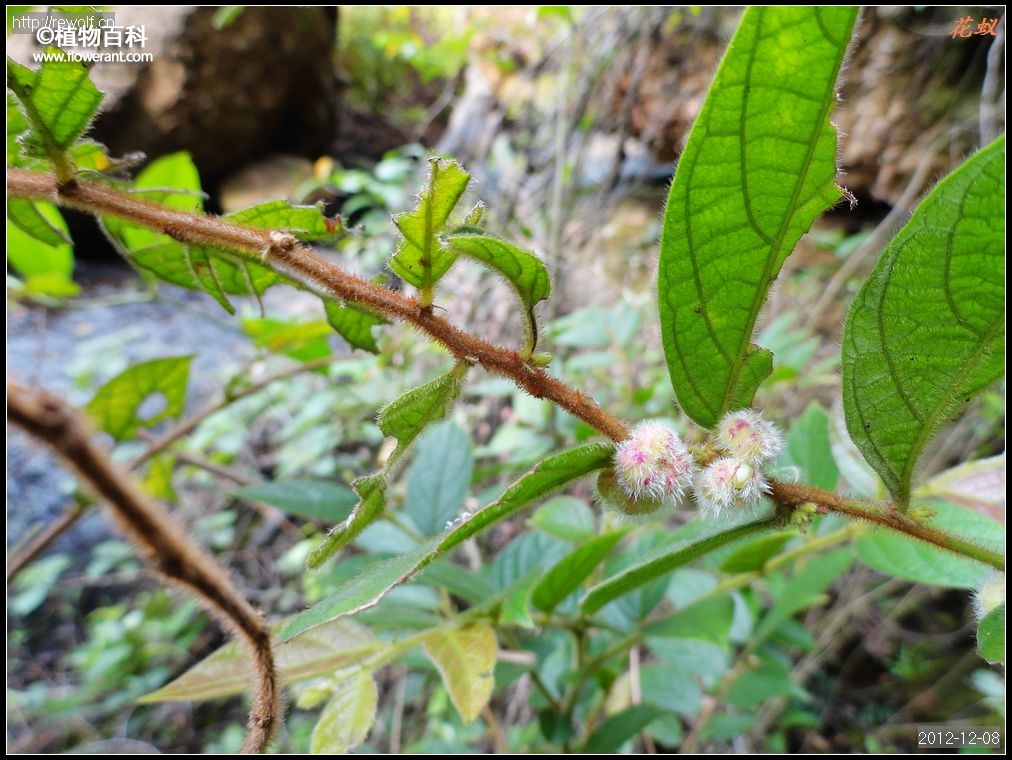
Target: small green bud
{"x":540,"y":359}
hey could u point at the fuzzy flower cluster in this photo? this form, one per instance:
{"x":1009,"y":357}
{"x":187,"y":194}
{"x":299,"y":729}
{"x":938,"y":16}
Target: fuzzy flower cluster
{"x":653,"y":468}
{"x":653,"y":462}
{"x":736,"y":480}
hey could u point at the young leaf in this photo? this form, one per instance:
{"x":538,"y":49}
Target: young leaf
{"x":758,"y":168}
{"x":422,"y":258}
{"x":371,"y":491}
{"x":348,"y":716}
{"x":116,"y":406}
{"x":337,"y":644}
{"x":927,"y":331}
{"x":307,"y":223}
{"x":669,"y":558}
{"x":354,"y":323}
{"x":59,"y":100}
{"x":404,"y":418}
{"x":465,"y":658}
{"x":991,"y":635}
{"x":47,"y":227}
{"x":363,"y":591}
{"x":905,"y":557}
{"x":439,"y":478}
{"x":314,"y":499}
{"x":522,"y":269}
{"x":567,"y":575}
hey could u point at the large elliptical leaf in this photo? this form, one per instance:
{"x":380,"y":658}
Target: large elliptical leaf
{"x":927,"y":330}
{"x":758,"y":168}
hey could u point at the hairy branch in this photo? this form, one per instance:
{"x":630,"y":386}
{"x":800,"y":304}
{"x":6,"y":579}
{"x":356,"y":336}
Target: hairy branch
{"x":299,"y":264}
{"x":59,"y":425}
{"x":792,"y":495}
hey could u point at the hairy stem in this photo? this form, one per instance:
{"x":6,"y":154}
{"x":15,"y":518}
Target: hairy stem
{"x":284,"y":255}
{"x":56,"y":423}
{"x":792,"y":495}
{"x":300,"y":265}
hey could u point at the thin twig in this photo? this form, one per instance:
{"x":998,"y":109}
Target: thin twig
{"x":52,"y":420}
{"x":188,"y":425}
{"x":43,"y":540}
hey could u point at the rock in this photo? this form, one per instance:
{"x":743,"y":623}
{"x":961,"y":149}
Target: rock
{"x":264,"y":83}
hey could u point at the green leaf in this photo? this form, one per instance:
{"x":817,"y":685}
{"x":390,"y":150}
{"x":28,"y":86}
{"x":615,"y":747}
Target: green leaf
{"x":367,"y":588}
{"x":354,"y":323}
{"x":372,"y":500}
{"x":46,"y":268}
{"x":302,"y":341}
{"x":767,"y":680}
{"x":669,"y":558}
{"x":927,"y":331}
{"x":362,"y":591}
{"x":809,"y":449}
{"x":59,"y":100}
{"x":552,"y":473}
{"x":616,"y":730}
{"x":755,"y":554}
{"x":348,"y":716}
{"x":422,"y":258}
{"x":40,"y":220}
{"x":522,"y":270}
{"x":116,"y":406}
{"x":707,"y":620}
{"x":465,"y":658}
{"x":566,"y":576}
{"x":173,"y":181}
{"x":439,"y":478}
{"x":307,"y":223}
{"x":468,"y":585}
{"x":337,"y":644}
{"x":406,"y":417}
{"x":991,"y":635}
{"x":905,"y":557}
{"x":758,"y":168}
{"x":314,"y":499}
{"x":564,"y":517}
{"x":803,"y":589}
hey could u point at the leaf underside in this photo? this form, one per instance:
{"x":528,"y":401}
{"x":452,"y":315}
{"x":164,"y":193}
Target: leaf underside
{"x":927,"y":331}
{"x":758,"y":168}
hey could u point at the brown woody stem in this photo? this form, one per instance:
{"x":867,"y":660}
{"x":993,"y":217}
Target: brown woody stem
{"x":52,"y":420}
{"x":283,"y":254}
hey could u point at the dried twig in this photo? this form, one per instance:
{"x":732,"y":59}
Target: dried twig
{"x":52,"y":420}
